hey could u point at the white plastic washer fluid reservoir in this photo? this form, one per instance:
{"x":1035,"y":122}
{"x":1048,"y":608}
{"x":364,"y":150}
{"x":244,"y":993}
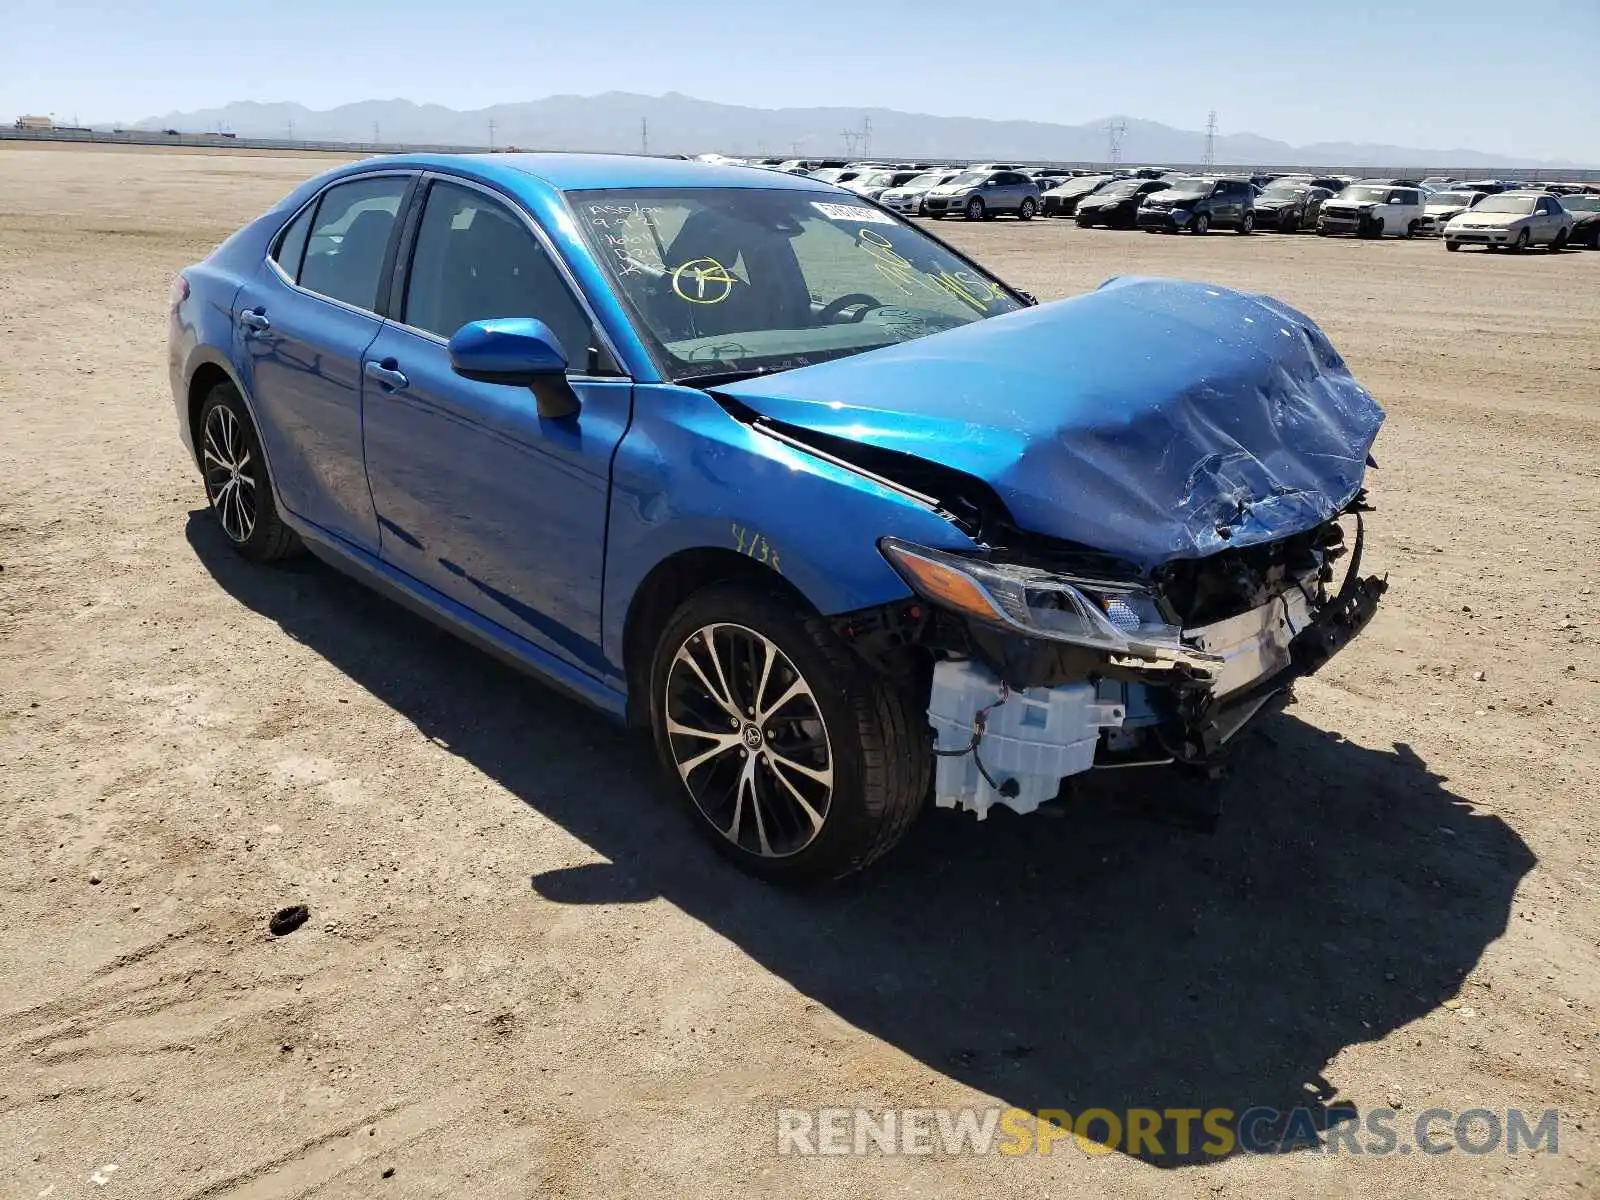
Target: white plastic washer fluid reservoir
{"x":1030,"y":740}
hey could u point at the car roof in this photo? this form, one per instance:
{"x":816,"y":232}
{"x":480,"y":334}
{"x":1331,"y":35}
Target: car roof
{"x":579,"y":172}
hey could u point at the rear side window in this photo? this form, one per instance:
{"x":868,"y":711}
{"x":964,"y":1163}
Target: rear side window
{"x":349,"y":238}
{"x":292,"y":242}
{"x":475,"y":260}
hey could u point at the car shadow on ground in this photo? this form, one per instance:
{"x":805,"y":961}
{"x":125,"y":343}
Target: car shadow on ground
{"x":1088,"y":959}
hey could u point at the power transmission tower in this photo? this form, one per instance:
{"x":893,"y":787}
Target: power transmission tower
{"x":644,"y":135}
{"x":1211,"y":138}
{"x":851,"y":137}
{"x":1114,"y":132}
{"x":866,"y":135}
{"x":375,"y":139}
{"x":491,"y":135}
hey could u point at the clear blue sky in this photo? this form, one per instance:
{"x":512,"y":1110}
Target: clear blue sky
{"x":1519,"y":79}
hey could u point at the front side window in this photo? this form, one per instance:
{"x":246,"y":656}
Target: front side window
{"x":474,"y":260}
{"x":752,"y":279}
{"x":349,"y":238}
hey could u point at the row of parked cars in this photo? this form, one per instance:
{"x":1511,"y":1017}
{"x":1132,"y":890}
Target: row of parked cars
{"x":1493,"y":213}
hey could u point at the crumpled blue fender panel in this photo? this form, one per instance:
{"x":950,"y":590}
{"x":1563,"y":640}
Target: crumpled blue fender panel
{"x":1153,"y":419}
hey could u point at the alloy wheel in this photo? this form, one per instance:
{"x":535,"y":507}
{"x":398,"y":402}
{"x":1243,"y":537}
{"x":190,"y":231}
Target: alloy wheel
{"x":749,"y":741}
{"x":229,"y":474}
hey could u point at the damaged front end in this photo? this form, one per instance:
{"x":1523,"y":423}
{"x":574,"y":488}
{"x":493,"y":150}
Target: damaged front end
{"x":1043,"y":665}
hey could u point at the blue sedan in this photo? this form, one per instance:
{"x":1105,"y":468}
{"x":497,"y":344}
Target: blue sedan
{"x":849,"y":524}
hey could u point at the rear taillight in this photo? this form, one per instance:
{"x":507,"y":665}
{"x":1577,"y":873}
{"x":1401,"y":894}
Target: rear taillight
{"x":179,"y":291}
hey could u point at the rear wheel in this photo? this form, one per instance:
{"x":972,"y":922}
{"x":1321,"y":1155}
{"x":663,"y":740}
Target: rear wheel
{"x":975,"y":209}
{"x":1247,"y":223}
{"x":237,"y":485}
{"x":1027,"y":209}
{"x":798,"y":762}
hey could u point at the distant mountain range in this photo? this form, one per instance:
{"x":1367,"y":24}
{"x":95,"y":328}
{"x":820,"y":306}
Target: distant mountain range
{"x":678,"y":124}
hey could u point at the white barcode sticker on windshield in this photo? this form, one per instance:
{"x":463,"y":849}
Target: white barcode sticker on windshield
{"x":853,"y":212}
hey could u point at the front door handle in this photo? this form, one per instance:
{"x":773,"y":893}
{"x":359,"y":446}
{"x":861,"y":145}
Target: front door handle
{"x":255,"y":318}
{"x":385,"y":373}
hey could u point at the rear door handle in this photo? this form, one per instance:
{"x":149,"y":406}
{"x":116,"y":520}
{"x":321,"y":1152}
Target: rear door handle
{"x":385,"y":373}
{"x":255,"y":319}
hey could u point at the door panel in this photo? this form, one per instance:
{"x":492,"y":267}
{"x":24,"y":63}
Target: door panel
{"x":484,"y":500}
{"x":476,"y":494}
{"x":304,"y":374}
{"x":302,"y":352}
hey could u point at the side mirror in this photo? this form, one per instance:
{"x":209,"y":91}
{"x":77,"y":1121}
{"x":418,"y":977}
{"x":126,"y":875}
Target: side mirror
{"x":518,"y":351}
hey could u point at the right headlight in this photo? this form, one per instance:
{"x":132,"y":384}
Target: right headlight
{"x":1115,"y":616}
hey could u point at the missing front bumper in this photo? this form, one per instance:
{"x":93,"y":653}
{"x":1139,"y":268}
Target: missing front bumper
{"x":999,"y":745}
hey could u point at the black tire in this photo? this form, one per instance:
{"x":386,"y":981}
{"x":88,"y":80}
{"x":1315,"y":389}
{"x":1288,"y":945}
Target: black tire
{"x":1370,"y":228}
{"x":1201,"y":224}
{"x":874,"y":738}
{"x":1288,"y":222}
{"x":1083,"y":221}
{"x":1560,"y":242}
{"x":1247,"y":223}
{"x":975,"y":210}
{"x":1452,"y":246}
{"x":1411,"y":229}
{"x":240,"y":497}
{"x":1026,"y":209}
{"x":1524,"y":240}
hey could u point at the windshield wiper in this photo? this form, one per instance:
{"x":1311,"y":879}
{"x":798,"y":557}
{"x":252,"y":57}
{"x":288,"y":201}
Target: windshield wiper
{"x":714,"y":378}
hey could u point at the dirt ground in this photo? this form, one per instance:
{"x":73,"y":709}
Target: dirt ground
{"x":524,"y":975}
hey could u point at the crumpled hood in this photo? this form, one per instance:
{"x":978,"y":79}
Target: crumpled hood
{"x":1152,"y":418}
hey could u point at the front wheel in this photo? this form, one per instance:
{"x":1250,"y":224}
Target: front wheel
{"x":1200,"y":224}
{"x":797,"y":761}
{"x":1288,"y":223}
{"x":1560,"y":242}
{"x":1521,"y":244}
{"x":975,"y":209}
{"x":1452,"y":246}
{"x":237,"y":485}
{"x":1027,"y":209}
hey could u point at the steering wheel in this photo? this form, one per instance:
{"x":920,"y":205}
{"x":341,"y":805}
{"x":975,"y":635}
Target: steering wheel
{"x":834,"y":309}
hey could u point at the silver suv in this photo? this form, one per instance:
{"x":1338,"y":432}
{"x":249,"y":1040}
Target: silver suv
{"x":979,"y":195}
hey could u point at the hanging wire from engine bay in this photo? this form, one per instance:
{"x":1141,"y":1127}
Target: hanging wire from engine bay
{"x":980,"y":722}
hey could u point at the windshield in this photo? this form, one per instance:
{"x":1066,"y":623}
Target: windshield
{"x":1462,"y":198}
{"x":1084,"y":183}
{"x":970,"y":178}
{"x":880,"y":179}
{"x":931,"y":179}
{"x":1581,"y":203}
{"x":1505,"y":204}
{"x":832,"y":174}
{"x":1361,"y":193}
{"x":1116,"y":191}
{"x":721,"y":280}
{"x":1285,"y":191}
{"x":1189,"y":183}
